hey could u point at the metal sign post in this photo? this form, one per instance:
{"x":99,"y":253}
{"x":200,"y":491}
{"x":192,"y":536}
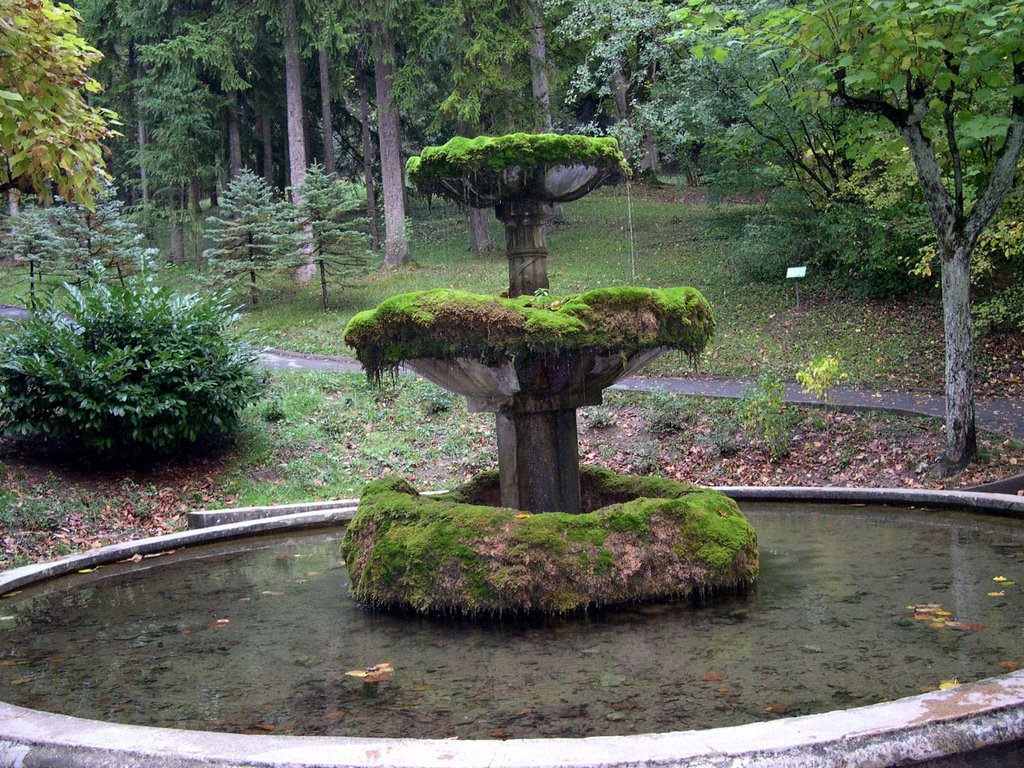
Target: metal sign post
{"x":796,"y":273}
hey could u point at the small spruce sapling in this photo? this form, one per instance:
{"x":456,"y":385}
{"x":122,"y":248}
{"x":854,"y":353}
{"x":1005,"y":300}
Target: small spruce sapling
{"x":104,"y":234}
{"x":330,"y":218}
{"x":255,"y":233}
{"x":32,"y":240}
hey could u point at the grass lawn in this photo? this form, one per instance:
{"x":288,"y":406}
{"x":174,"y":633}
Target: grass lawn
{"x":891,"y":344}
{"x":319,"y":435}
{"x":323,"y":435}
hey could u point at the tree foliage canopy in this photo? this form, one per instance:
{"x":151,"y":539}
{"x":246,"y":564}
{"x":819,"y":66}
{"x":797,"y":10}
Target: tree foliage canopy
{"x":48,"y":130}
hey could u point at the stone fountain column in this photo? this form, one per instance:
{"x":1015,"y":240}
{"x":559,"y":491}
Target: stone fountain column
{"x":539,"y":461}
{"x":525,"y":244}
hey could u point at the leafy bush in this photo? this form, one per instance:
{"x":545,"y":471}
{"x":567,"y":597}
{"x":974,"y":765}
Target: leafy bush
{"x":867,"y":247}
{"x":820,"y":376}
{"x":1002,"y":312}
{"x":123,"y":370}
{"x":763,"y":413}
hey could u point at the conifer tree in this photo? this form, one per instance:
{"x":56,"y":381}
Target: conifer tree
{"x":31,"y":239}
{"x":254,"y":234}
{"x":330,"y":209}
{"x":104,"y":234}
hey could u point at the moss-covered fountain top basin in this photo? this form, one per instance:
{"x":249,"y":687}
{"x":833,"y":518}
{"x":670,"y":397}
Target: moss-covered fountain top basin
{"x":521,"y":175}
{"x":596,"y":337}
{"x":531,"y":360}
{"x":490,"y":170}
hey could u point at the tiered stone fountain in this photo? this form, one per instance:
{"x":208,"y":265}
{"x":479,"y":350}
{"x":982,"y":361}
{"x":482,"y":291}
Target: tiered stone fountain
{"x":529,"y":358}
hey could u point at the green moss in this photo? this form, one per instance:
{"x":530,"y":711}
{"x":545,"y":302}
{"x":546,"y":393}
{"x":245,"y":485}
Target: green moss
{"x":460,"y":157}
{"x":442,"y":554}
{"x":442,"y":324}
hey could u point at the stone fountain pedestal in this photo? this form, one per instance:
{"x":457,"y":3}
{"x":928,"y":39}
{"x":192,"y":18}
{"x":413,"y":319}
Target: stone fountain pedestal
{"x":534,"y":401}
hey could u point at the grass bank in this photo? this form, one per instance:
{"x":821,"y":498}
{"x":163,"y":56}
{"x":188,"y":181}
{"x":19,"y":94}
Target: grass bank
{"x":323,"y":435}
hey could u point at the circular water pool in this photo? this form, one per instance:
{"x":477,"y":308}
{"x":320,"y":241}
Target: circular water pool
{"x":854,"y":606}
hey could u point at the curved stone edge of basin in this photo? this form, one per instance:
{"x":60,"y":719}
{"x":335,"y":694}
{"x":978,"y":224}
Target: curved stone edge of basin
{"x":978,"y":724}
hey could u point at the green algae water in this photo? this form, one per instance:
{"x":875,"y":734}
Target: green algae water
{"x":854,"y":606}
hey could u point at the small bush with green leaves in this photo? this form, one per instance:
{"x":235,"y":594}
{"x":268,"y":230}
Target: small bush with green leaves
{"x":126,"y":370}
{"x":763,"y":413}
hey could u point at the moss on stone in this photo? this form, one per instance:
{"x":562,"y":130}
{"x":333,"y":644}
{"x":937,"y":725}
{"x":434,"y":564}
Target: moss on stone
{"x":444,"y":324}
{"x":443,"y":554}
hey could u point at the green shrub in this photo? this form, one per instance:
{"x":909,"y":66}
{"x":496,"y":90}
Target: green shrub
{"x":1002,"y":312}
{"x":863,"y":248}
{"x":763,"y":413}
{"x":122,"y":371}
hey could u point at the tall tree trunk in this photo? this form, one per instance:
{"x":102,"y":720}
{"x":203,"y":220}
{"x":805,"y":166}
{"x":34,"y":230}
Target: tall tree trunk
{"x":143,"y":139}
{"x":389,"y":131}
{"x":330,"y":161}
{"x":961,"y":437}
{"x":234,"y":137}
{"x":539,"y":63}
{"x":267,"y":137}
{"x":177,"y":255}
{"x":142,"y":135}
{"x":293,"y":97}
{"x":539,"y":81}
{"x":651,"y":162}
{"x":12,"y":202}
{"x":479,"y":229}
{"x":369,"y":152}
{"x":195,"y":217}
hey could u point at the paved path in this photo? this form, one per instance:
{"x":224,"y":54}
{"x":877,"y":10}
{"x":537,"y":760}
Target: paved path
{"x":999,"y":414}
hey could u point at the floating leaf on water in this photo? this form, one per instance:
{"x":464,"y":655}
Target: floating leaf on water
{"x":938,"y":624}
{"x":943,"y":613}
{"x":713,"y":677}
{"x":7,"y":618}
{"x":945,"y":685}
{"x":1000,"y":579}
{"x":23,"y":680}
{"x":966,"y":626}
{"x":302,"y":581}
{"x":997,"y":594}
{"x":86,"y":570}
{"x":1009,"y":666}
{"x":270,"y":593}
{"x":776,"y":708}
{"x":379,"y":672}
{"x":221,"y":622}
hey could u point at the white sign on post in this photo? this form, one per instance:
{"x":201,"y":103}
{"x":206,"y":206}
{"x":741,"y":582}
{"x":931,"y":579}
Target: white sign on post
{"x":799,"y":272}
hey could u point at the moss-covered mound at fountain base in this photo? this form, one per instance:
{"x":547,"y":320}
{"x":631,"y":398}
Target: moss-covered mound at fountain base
{"x":461,"y":157}
{"x":447,"y":324}
{"x":649,"y":539}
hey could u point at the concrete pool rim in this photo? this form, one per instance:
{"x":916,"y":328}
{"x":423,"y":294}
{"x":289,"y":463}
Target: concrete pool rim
{"x":984,"y":719}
